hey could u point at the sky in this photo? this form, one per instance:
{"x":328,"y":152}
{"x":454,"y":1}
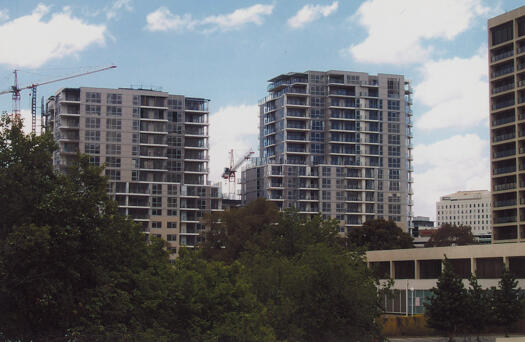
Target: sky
{"x":227,"y":50}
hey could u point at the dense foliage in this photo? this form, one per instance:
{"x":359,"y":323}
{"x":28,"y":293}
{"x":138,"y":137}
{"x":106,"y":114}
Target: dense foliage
{"x":72,"y":268}
{"x":379,"y":234}
{"x":451,"y":235}
{"x":452,"y":309}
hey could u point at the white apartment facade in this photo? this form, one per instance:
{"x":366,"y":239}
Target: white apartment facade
{"x":468,"y":208}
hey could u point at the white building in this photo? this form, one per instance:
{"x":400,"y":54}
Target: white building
{"x":468,"y":208}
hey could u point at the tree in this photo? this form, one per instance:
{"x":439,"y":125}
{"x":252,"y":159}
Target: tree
{"x":479,"y":311}
{"x":379,"y":235}
{"x":447,"y":307}
{"x":508,"y":302}
{"x":448,"y":235}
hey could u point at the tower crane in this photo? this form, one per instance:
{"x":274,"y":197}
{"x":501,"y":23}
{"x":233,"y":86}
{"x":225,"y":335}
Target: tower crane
{"x":15,"y":91}
{"x":229,"y":172}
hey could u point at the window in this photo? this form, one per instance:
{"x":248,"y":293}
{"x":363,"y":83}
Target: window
{"x":317,"y":136}
{"x":394,"y":162}
{"x":92,"y":148}
{"x":317,"y":113}
{"x":92,"y":135}
{"x":136,"y":125}
{"x":113,"y":149}
{"x":394,"y":150}
{"x":327,"y":206}
{"x":394,"y":186}
{"x":393,"y":174}
{"x":92,"y":97}
{"x":156,"y":189}
{"x":394,"y":139}
{"x":172,"y":202}
{"x":114,"y":111}
{"x":171,"y":237}
{"x":326,"y":183}
{"x":317,"y":125}
{"x":326,"y":195}
{"x":114,"y":98}
{"x":113,"y":174}
{"x":156,"y":224}
{"x":94,"y":160}
{"x":172,"y":189}
{"x":112,"y":162}
{"x":393,"y":128}
{"x":317,"y":102}
{"x":393,"y":105}
{"x":317,"y":148}
{"x":92,"y":110}
{"x":92,"y":123}
{"x":393,"y":116}
{"x":156,"y":202}
{"x":113,"y":124}
{"x":172,"y":225}
{"x":113,"y":136}
{"x":156,"y":212}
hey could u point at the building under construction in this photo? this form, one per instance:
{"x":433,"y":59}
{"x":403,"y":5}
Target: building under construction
{"x":336,"y":143}
{"x":154,"y":146}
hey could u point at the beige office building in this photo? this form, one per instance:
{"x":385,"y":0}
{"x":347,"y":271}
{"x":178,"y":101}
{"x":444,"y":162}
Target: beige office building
{"x":467,"y":208}
{"x":336,"y":143}
{"x":154,"y":146}
{"x":506,"y":37}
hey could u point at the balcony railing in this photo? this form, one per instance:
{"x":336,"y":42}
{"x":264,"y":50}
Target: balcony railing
{"x":505,"y":219}
{"x":502,"y":55}
{"x":502,"y":88}
{"x":503,"y":71}
{"x":504,"y":153}
{"x":504,"y":186}
{"x":506,"y":169}
{"x":502,"y":104}
{"x":504,"y":203}
{"x":503,"y":121}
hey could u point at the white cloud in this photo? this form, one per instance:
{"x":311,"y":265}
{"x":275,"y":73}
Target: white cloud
{"x":397,"y":29}
{"x":30,"y":41}
{"x":232,"y":127}
{"x":460,"y":162}
{"x":117,"y":6}
{"x":456,"y":91}
{"x":4,"y":15}
{"x":311,"y":13}
{"x":163,"y":20}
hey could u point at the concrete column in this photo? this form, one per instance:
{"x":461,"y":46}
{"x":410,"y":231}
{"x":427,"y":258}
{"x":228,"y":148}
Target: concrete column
{"x":416,"y":270}
{"x":506,"y":262}
{"x":473,"y":266}
{"x":392,"y":270}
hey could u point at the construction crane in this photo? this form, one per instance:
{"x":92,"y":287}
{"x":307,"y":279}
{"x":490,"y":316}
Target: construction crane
{"x":15,"y":91}
{"x":229,"y":172}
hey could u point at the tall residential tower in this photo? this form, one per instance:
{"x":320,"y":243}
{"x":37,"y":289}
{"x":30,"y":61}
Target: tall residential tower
{"x":336,"y":143}
{"x":506,"y":35}
{"x":154,"y":146}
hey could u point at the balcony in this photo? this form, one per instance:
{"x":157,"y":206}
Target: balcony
{"x":501,"y":56}
{"x":502,"y":88}
{"x":503,"y":120}
{"x":505,"y":203}
{"x":505,"y":169}
{"x":504,"y":186}
{"x":502,"y":104}
{"x":503,"y":71}
{"x":504,"y":153}
{"x":505,"y":219}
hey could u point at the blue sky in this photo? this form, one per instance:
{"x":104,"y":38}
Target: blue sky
{"x":227,"y":50}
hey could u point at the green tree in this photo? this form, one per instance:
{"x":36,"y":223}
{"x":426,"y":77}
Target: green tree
{"x":448,"y":235}
{"x":508,"y":302}
{"x":478,"y":307}
{"x":379,"y":234}
{"x":447,"y":307}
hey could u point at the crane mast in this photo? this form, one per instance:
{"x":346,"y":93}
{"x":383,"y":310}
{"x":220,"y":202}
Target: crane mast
{"x":15,"y":91}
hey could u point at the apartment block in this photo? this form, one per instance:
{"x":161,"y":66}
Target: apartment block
{"x":506,"y":37}
{"x":467,"y":208}
{"x":154,"y":147}
{"x":336,"y":143}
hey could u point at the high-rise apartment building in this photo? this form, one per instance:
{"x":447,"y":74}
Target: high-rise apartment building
{"x":506,"y":36}
{"x":467,"y":208}
{"x":154,"y":146}
{"x":336,"y":143}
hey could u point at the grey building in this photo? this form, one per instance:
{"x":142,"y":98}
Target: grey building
{"x":336,"y":143}
{"x":154,"y":146}
{"x":506,"y":37}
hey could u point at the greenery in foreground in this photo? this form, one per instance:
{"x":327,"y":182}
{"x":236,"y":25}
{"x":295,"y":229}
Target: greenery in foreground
{"x":453,"y":309}
{"x":72,"y":268}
